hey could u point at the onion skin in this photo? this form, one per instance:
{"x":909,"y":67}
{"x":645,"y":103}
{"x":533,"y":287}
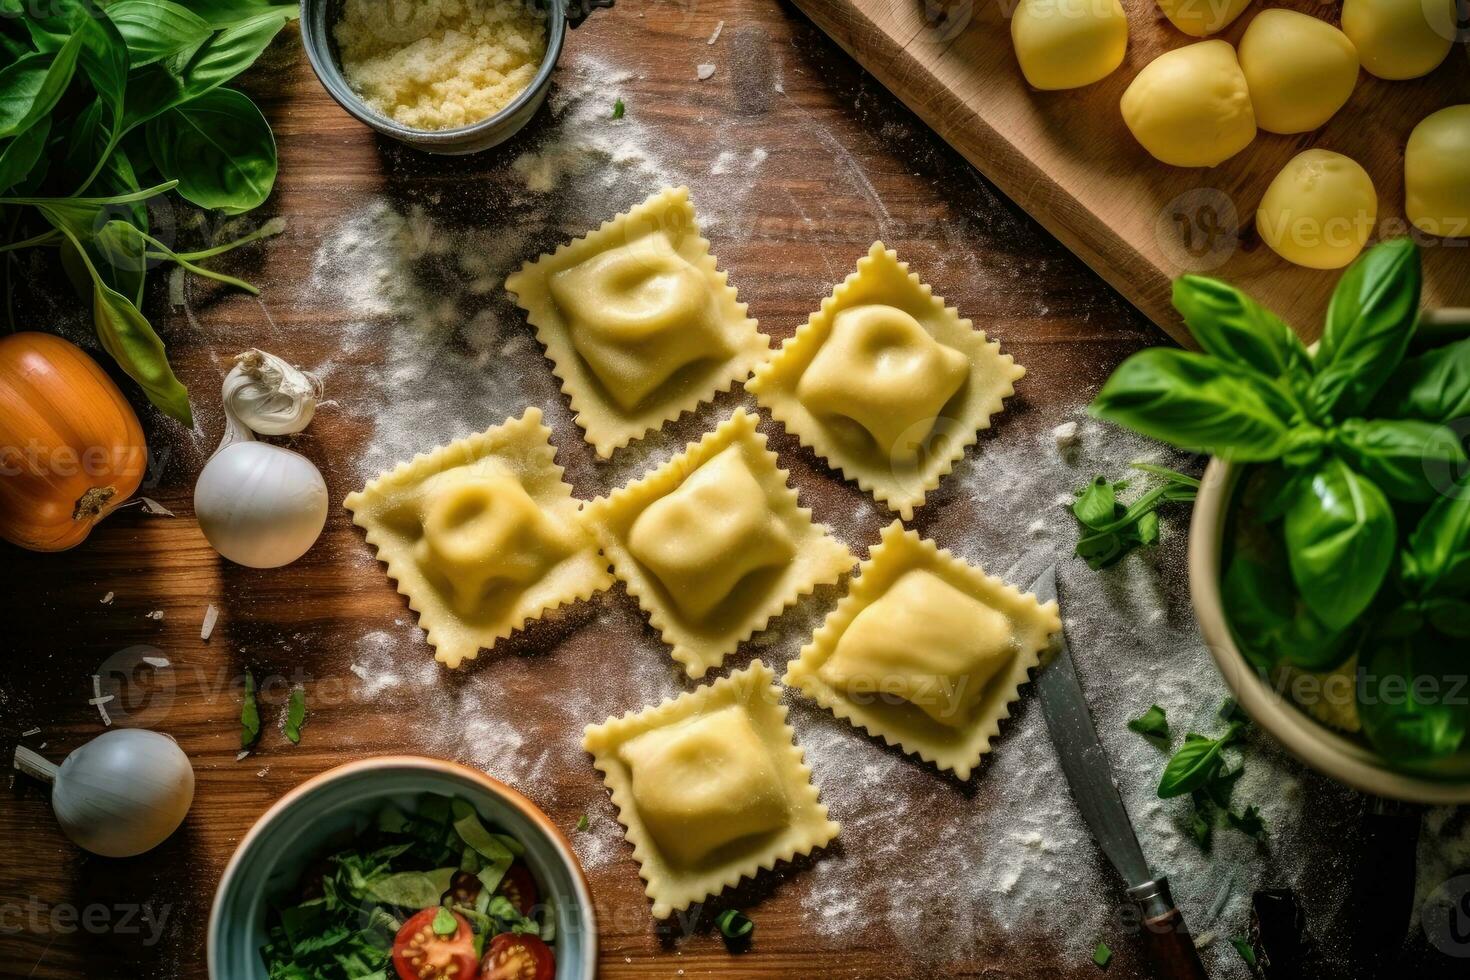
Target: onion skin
{"x":71,"y":447}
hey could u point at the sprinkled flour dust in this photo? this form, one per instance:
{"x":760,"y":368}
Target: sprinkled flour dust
{"x":950,"y":871}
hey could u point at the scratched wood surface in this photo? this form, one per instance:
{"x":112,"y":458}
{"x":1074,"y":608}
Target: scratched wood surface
{"x":1069,"y":160}
{"x":1063,"y":322}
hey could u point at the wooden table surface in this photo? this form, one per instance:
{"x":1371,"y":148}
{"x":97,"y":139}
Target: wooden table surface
{"x":874,"y":171}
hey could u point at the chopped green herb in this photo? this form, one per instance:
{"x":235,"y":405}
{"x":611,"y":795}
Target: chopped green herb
{"x":1153,"y":723}
{"x":618,"y":109}
{"x":1102,"y":955}
{"x":1232,"y":711}
{"x":445,"y":924}
{"x":249,"y":714}
{"x":583,"y":823}
{"x":1200,"y":824}
{"x":296,"y":714}
{"x":1195,"y":763}
{"x":1248,"y":822}
{"x":734,"y":924}
{"x":1245,"y":949}
{"x":1112,"y":530}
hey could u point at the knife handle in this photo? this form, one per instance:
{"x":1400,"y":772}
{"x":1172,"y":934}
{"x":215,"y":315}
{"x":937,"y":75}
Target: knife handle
{"x":1165,"y":936}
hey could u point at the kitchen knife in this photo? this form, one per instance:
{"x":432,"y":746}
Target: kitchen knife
{"x":1166,"y":939}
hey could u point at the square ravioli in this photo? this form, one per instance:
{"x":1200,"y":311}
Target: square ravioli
{"x":714,"y":543}
{"x":638,"y":322}
{"x":886,"y":383}
{"x":482,"y":536}
{"x":925,"y":651}
{"x":711,"y":787}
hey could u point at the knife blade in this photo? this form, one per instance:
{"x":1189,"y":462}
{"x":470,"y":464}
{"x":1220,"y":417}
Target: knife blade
{"x":1085,"y":765}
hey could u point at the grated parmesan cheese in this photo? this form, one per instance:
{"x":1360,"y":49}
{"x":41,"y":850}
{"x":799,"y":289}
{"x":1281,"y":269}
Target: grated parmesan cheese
{"x":440,"y":64}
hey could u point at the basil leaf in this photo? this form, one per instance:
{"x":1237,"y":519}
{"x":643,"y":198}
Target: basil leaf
{"x":1450,"y":616}
{"x":1248,"y":822}
{"x":120,"y":255}
{"x":228,"y":53}
{"x":1230,"y":325}
{"x":1437,"y":559}
{"x":1153,"y":723}
{"x":1411,"y":697}
{"x":295,"y":715}
{"x":155,"y":29}
{"x":249,"y":714}
{"x":220,"y":147}
{"x":1407,"y":458}
{"x":1340,"y":541}
{"x":1194,"y":764}
{"x":1198,"y":403}
{"x":224,"y":13}
{"x":1272,"y":626}
{"x":1370,"y":321}
{"x":1097,"y":505}
{"x":411,"y":889}
{"x":31,"y":87}
{"x":104,"y":59}
{"x":1435,"y":386}
{"x":127,"y":335}
{"x":20,"y":153}
{"x":445,"y":924}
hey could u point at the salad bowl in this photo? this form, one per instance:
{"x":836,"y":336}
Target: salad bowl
{"x":300,"y":827}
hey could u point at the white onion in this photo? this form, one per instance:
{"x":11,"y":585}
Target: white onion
{"x":261,"y":505}
{"x":121,"y":794}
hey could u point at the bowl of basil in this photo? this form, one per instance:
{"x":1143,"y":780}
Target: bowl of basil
{"x":1330,"y":541}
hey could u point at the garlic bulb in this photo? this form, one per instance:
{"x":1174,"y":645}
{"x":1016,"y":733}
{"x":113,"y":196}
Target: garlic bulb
{"x":121,"y":794}
{"x":261,"y":505}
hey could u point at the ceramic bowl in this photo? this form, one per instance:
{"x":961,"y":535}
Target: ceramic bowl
{"x":1346,"y":758}
{"x":317,"y":18}
{"x":302,"y":823}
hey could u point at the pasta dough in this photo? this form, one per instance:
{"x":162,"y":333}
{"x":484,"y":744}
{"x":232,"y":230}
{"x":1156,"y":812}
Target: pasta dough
{"x":639,"y":323}
{"x":714,"y":543}
{"x":1300,"y":70}
{"x":482,"y":535}
{"x":1400,"y":39}
{"x":925,"y":651}
{"x":1069,"y":43}
{"x":1319,"y":211}
{"x":1190,"y":107}
{"x":1201,"y":18}
{"x":886,"y":383}
{"x":1436,"y":174}
{"x":710,"y":787}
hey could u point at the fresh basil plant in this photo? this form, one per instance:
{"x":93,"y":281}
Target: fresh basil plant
{"x":104,"y":105}
{"x":1352,"y":531}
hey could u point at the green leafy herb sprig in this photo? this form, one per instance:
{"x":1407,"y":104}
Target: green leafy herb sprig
{"x":104,"y":106}
{"x":1353,"y":534}
{"x":1113,"y":529}
{"x":1199,"y":769}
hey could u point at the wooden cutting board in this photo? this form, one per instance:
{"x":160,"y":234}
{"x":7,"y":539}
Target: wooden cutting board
{"x":1068,"y":159}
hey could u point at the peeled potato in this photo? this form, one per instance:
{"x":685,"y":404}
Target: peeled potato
{"x":1319,"y":211}
{"x":1300,"y":70}
{"x":1201,"y":18}
{"x":1190,"y":107}
{"x":1399,"y":39}
{"x":1069,"y":43}
{"x":1437,"y":173}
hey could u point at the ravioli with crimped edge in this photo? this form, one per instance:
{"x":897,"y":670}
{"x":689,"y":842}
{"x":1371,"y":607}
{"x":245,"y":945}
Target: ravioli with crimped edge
{"x":925,"y":651}
{"x":714,"y":543}
{"x":482,"y":535}
{"x":711,"y":787}
{"x":886,"y":383}
{"x":639,"y":323}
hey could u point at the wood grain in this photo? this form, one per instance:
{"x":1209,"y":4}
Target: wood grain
{"x":1069,"y":160}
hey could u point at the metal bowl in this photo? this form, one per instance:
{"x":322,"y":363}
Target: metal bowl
{"x":317,"y":19}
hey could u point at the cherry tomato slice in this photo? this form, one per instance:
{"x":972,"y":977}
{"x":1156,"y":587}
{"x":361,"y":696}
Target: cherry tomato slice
{"x":464,"y":888}
{"x":520,"y":888}
{"x":516,"y":957}
{"x":419,"y":953}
